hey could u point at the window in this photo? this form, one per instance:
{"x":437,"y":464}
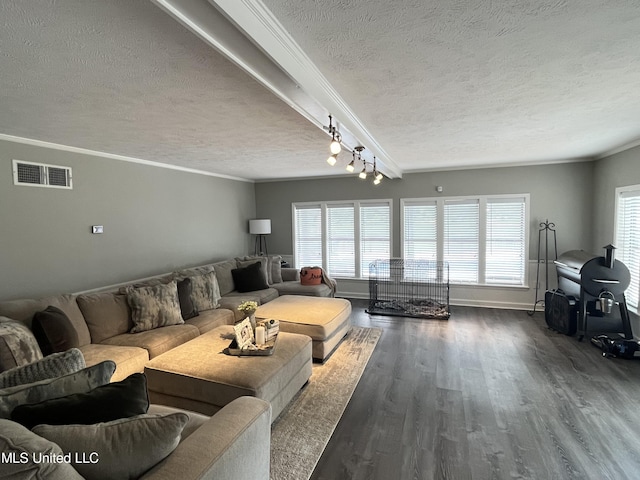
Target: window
{"x":627,"y":239}
{"x":484,"y":239}
{"x":341,"y":241}
{"x":462,"y":239}
{"x":342,"y":237}
{"x":308,"y":235}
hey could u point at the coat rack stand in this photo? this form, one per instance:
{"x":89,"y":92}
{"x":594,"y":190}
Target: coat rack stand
{"x":546,"y":228}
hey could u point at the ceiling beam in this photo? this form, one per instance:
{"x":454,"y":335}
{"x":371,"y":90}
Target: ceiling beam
{"x":236,"y":27}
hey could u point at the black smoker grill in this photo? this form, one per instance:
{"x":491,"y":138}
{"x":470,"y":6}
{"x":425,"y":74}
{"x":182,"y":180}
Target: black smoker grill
{"x":591,"y":279}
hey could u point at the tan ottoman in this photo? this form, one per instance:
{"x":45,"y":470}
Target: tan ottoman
{"x":198,"y":376}
{"x":325,"y":320}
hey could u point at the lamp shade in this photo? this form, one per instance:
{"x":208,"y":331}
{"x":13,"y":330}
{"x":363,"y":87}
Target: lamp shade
{"x":260,"y":226}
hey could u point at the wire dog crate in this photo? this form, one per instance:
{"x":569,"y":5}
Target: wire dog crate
{"x":409,"y":288}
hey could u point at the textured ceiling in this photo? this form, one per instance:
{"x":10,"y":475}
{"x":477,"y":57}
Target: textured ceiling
{"x":438,"y":84}
{"x":468,"y":82}
{"x":123,"y":77}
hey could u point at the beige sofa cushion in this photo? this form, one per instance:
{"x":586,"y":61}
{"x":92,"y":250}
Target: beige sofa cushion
{"x":106,"y":314}
{"x":210,"y":319}
{"x":128,"y":359}
{"x":158,"y":340}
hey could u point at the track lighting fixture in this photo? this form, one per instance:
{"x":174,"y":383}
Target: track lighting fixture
{"x":335,"y":148}
{"x":352,"y":165}
{"x":336,"y":138}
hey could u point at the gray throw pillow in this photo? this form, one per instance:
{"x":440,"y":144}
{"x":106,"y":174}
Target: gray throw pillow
{"x":18,"y":345}
{"x":28,"y":449}
{"x":154,"y":306}
{"x":124,"y":448}
{"x":51,"y":366}
{"x":205,"y":291}
{"x":82,"y":381}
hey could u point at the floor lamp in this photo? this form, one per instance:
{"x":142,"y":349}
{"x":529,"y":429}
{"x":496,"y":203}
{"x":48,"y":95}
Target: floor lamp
{"x":260,"y":227}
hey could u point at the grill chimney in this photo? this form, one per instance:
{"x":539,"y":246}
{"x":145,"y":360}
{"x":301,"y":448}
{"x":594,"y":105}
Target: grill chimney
{"x":610,"y":256}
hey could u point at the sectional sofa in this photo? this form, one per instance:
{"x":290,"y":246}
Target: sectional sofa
{"x":191,"y":302}
{"x":100,"y":322}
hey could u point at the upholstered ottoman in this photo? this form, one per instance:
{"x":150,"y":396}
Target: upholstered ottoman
{"x":325,"y":320}
{"x":198,"y":376}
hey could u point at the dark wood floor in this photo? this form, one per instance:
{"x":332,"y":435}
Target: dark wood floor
{"x":489,"y":394}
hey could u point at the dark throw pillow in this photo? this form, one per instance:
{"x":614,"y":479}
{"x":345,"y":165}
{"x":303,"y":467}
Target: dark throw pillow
{"x":249,"y":279}
{"x":102,"y":404}
{"x":187,"y":307}
{"x":54,"y":331}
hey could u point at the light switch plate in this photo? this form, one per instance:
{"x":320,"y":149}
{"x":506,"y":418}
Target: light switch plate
{"x":97,"y":229}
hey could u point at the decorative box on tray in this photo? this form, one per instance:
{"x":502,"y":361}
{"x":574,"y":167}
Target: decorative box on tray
{"x":245,"y":341}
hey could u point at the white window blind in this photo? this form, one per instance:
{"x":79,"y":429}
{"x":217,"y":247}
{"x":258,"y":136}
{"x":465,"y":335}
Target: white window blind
{"x":375,"y":234}
{"x":420,"y":225}
{"x":483,"y":239}
{"x":342,"y":237}
{"x":308,"y":235}
{"x":461,"y":239}
{"x":341,"y":241}
{"x":505,"y":247}
{"x":628,"y":241}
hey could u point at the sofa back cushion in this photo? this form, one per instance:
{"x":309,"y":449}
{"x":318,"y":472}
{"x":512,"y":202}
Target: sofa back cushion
{"x":106,"y":314}
{"x":223,"y":274}
{"x":23,"y":311}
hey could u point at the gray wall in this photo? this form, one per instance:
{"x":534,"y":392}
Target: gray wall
{"x":619,"y":170}
{"x":155,"y":220}
{"x":560,"y":193}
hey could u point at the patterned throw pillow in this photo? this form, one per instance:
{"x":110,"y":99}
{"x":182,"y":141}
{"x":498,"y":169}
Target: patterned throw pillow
{"x":51,"y":366}
{"x":205,"y":291}
{"x":18,"y":346}
{"x":126,"y":448}
{"x":154,"y":306}
{"x":82,"y":381}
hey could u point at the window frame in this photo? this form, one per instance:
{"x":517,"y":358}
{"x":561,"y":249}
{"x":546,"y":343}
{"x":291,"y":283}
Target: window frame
{"x":357,"y":205}
{"x":482,"y":200}
{"x":619,"y":192}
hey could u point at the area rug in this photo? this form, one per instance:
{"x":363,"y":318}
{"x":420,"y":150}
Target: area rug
{"x":301,"y":433}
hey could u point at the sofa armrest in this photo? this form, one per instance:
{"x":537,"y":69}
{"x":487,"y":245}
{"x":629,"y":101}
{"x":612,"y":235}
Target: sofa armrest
{"x":290,"y":275}
{"x":234,"y":443}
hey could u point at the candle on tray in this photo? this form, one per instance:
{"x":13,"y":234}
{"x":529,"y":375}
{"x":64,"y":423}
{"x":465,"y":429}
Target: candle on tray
{"x":260,"y":335}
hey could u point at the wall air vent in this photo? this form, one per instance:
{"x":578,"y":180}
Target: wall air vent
{"x":41,"y":175}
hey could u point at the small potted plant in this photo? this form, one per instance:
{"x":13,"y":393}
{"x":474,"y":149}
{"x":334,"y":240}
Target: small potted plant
{"x":249,"y":308}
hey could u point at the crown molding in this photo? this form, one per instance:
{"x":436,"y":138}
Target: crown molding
{"x":112,"y":156}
